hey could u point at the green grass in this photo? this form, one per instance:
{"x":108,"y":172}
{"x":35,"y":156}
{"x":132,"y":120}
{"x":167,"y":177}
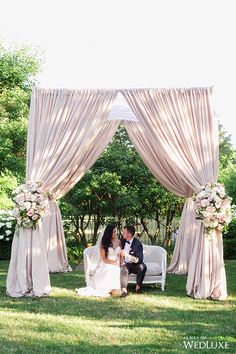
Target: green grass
{"x":154,"y":322}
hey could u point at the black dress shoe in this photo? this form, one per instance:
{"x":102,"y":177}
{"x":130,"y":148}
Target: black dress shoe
{"x":124,"y":294}
{"x":138,"y":291}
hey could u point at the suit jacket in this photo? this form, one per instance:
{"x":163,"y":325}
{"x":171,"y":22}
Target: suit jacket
{"x":136,"y":249}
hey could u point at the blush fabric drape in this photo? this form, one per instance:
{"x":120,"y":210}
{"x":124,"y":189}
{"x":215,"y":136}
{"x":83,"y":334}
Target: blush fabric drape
{"x":177,"y":138}
{"x":68,"y":130}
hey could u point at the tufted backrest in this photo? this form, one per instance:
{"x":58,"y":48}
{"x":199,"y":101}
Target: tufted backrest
{"x":154,"y":254}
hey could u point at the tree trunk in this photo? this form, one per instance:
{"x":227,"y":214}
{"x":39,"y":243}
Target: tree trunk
{"x":80,"y":229}
{"x":97,"y":223}
{"x":168,"y":231}
{"x":145,"y":228}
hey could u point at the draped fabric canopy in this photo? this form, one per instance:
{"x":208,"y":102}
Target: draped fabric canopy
{"x":175,"y":135}
{"x":177,"y":138}
{"x":68,"y":130}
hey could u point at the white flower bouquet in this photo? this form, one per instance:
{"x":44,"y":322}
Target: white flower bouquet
{"x":213,"y":207}
{"x":7,"y":225}
{"x":32,"y":203}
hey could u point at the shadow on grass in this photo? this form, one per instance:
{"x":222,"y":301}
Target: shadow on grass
{"x":85,"y":347}
{"x":170,"y":311}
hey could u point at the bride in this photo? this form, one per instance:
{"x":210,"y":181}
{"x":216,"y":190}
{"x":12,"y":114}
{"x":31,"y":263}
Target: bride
{"x":106,"y":260}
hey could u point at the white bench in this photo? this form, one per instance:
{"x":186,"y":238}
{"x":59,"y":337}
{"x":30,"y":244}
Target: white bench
{"x":154,"y":258}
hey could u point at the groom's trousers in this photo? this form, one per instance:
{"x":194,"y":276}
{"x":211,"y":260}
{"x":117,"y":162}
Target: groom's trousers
{"x":136,"y":268}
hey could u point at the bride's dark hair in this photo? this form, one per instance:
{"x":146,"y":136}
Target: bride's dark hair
{"x":106,"y":239}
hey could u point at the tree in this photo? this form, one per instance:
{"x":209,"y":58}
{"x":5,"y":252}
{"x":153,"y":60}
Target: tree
{"x":227,"y":163}
{"x":18,"y":69}
{"x":227,"y":153}
{"x":119,"y":188}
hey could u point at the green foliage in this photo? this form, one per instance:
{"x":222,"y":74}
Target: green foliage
{"x":7,"y":183}
{"x":119,"y":188}
{"x":227,"y":153}
{"x":74,"y":251}
{"x":18,"y":67}
{"x":230,"y":241}
{"x":228,"y":177}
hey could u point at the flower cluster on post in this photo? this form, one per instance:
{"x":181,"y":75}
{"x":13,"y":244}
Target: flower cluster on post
{"x":213,"y":207}
{"x":7,"y":225}
{"x":32,"y":202}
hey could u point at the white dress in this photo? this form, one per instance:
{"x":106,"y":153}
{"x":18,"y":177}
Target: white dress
{"x":105,"y":278}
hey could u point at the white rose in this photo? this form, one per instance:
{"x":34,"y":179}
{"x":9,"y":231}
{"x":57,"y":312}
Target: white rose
{"x":8,"y":225}
{"x":213,"y":195}
{"x":204,"y":203}
{"x":211,"y":209}
{"x":206,"y":214}
{"x":35,"y":217}
{"x":7,"y":239}
{"x":33,"y":205}
{"x":27,"y":205}
{"x":1,"y":224}
{"x":201,"y":194}
{"x":8,"y":232}
{"x":1,"y":237}
{"x":220,"y":227}
{"x":213,"y":224}
{"x":218,"y":205}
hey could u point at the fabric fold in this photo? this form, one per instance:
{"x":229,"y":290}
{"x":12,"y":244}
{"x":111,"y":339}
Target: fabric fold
{"x":68,"y":130}
{"x":177,"y":137}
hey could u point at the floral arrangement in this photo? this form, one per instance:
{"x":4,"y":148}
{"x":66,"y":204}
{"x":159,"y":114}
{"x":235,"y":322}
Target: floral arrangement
{"x":213,"y":207}
{"x":32,"y":202}
{"x":7,"y":225}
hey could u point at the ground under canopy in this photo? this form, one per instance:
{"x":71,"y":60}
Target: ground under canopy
{"x":153,"y":322}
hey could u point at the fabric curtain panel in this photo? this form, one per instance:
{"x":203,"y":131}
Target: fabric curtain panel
{"x":68,"y":130}
{"x":177,"y":138}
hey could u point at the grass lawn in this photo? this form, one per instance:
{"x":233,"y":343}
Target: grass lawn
{"x":154,"y":322}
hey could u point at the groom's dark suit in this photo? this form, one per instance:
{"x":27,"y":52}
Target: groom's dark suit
{"x":138,"y":268}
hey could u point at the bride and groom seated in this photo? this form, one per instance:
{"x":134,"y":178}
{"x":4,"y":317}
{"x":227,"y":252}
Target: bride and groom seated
{"x":112,"y":261}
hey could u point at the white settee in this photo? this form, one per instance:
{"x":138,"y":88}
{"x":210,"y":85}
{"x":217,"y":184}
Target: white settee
{"x":154,"y":258}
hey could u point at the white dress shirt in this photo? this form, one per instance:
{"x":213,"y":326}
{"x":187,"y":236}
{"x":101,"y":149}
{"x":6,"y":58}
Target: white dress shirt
{"x":127,"y":249}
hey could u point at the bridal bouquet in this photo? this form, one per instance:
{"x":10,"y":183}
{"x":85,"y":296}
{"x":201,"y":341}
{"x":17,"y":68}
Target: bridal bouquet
{"x":213,"y":207}
{"x":32,"y":202}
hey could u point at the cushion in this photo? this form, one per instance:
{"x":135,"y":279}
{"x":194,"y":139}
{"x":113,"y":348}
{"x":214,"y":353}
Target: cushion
{"x":153,"y":268}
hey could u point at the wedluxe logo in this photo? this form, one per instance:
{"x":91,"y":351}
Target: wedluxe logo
{"x":203,"y":343}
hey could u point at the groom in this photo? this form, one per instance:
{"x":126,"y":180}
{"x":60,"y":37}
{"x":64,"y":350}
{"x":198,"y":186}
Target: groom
{"x":132,"y":253}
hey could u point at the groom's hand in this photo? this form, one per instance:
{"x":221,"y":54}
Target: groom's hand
{"x":123,"y":253}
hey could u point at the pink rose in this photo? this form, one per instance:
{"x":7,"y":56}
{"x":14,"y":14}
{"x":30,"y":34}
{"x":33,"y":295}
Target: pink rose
{"x":30,"y":212}
{"x":40,"y":190}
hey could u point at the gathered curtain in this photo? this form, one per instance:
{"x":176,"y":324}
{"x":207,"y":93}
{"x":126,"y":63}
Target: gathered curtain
{"x":68,"y":130}
{"x":177,"y":138}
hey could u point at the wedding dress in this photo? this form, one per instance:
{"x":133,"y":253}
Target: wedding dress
{"x":106,"y":276}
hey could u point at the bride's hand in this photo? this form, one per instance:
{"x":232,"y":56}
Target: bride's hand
{"x":117,"y":262}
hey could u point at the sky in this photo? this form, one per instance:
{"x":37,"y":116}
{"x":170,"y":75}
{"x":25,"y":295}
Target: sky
{"x":131,"y":44}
